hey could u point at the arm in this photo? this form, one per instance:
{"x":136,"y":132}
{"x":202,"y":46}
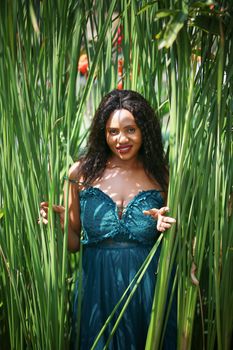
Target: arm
{"x":74,"y":224}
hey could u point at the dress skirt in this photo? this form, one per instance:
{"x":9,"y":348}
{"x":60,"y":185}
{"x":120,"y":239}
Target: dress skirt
{"x":108,"y":269}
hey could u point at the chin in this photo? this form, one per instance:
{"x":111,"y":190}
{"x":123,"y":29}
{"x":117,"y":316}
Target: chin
{"x":127,"y":156}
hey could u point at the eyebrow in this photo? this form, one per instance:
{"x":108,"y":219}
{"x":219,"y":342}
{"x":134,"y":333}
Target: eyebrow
{"x":125,"y":127}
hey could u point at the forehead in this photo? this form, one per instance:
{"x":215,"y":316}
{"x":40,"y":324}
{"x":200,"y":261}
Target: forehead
{"x":120,"y":117}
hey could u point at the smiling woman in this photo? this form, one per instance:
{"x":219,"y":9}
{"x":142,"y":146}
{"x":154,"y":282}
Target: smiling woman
{"x":117,"y":193}
{"x":150,"y":153}
{"x":123,"y":136}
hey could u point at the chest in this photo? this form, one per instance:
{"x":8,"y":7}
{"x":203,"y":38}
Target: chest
{"x":123,"y":185}
{"x":100,"y":220}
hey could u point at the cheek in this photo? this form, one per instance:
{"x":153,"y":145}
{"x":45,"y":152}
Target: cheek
{"x":110,"y":139}
{"x":138,"y":139}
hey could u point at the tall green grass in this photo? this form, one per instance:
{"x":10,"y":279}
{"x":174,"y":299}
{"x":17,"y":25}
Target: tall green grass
{"x":199,"y":69}
{"x":177,"y":54}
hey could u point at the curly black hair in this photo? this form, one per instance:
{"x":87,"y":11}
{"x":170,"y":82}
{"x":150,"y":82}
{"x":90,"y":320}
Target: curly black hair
{"x":151,"y":153}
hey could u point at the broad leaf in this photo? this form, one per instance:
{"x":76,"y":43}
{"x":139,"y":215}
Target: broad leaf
{"x":169,"y":35}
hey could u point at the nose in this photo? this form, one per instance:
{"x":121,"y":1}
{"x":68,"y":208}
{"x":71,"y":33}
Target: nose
{"x":122,"y":138}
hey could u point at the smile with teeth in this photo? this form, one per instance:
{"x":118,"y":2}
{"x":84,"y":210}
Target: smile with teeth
{"x":124,"y":148}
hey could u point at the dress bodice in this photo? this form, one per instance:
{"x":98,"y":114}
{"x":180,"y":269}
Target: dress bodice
{"x":100,"y":219}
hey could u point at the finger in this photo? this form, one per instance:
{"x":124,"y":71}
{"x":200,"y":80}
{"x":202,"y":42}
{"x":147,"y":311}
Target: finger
{"x":42,"y":221}
{"x":44,"y":209}
{"x":43,"y":214}
{"x":166,"y":226}
{"x":163,"y":226}
{"x":168,"y":219}
{"x":44,"y":204}
{"x":160,"y":229}
{"x":153,"y":212}
{"x":163,"y":210}
{"x":58,"y":208}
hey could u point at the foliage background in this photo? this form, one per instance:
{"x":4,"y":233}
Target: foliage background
{"x":179,"y":55}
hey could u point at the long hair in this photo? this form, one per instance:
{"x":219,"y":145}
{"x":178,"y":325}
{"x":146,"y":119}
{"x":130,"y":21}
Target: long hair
{"x":151,"y":153}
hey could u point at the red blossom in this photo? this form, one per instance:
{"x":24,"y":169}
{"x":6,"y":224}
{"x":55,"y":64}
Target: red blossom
{"x":120,"y":85}
{"x":119,"y":36}
{"x":120,"y":66}
{"x":83,"y":64}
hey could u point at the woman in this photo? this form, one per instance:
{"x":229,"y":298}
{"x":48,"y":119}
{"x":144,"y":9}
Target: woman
{"x":117,"y":193}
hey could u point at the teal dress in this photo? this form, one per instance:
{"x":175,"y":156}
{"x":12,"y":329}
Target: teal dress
{"x":114,"y":249}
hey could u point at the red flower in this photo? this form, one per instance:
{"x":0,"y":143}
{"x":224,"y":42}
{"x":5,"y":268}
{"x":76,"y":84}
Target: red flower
{"x":120,"y":85}
{"x":119,"y":36}
{"x":83,"y":64}
{"x":120,"y":66}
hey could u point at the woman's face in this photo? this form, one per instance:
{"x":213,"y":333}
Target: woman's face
{"x":123,"y":136}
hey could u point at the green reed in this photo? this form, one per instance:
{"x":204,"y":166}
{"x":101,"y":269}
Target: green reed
{"x":45,"y":111}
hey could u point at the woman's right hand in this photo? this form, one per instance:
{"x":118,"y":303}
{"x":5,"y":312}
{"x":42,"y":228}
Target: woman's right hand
{"x":163,"y":222}
{"x":44,"y":207}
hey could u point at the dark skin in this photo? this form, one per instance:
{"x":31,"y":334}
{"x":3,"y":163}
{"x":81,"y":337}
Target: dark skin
{"x":123,"y":177}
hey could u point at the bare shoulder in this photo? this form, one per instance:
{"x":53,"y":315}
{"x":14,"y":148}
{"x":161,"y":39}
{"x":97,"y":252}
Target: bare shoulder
{"x":74,"y":171}
{"x":75,"y":177}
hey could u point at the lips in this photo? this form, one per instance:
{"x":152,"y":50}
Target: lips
{"x":123,"y":149}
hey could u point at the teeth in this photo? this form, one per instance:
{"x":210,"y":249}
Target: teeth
{"x":123,"y":148}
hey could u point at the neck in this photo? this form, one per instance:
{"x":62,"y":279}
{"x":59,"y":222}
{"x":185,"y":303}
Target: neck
{"x":124,"y":164}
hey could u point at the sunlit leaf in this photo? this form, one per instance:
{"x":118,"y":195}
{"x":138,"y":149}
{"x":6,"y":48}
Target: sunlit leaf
{"x":46,"y":107}
{"x":164,"y":108}
{"x":169,"y":34}
{"x":1,"y":212}
{"x":147,"y":6}
{"x":34,"y":19}
{"x":166,"y":13}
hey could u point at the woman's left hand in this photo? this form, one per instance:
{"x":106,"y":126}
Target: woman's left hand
{"x":163,"y":222}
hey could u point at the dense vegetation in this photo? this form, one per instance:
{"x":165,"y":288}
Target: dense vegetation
{"x":57,"y":59}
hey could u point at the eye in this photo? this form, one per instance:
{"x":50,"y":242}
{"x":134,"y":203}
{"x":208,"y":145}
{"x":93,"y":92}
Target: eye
{"x":131,"y":130}
{"x":113,"y":132}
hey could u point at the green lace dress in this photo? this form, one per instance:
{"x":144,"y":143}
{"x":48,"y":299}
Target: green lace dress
{"x":114,"y":249}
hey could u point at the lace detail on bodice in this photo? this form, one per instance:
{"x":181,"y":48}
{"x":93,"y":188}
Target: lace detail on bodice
{"x":100,"y":219}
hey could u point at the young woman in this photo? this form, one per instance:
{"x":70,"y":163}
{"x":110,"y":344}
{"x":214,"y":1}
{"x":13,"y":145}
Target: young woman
{"x":117,"y":196}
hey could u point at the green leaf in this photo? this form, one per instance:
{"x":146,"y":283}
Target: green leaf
{"x":2,"y":212}
{"x":166,"y":13}
{"x":198,"y":4}
{"x":147,"y":6}
{"x":164,"y":108}
{"x":33,"y":19}
{"x":169,"y":34}
{"x":209,"y":24}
